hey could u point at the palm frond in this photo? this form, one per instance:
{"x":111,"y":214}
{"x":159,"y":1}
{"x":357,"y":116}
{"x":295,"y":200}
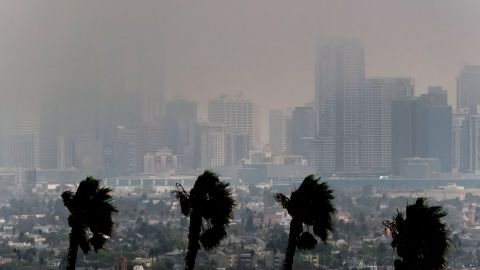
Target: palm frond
{"x":420,"y":238}
{"x":183,"y":198}
{"x":212,"y":200}
{"x":281,"y":199}
{"x":306,"y":241}
{"x":211,"y":237}
{"x":312,"y":204}
{"x":91,"y":209}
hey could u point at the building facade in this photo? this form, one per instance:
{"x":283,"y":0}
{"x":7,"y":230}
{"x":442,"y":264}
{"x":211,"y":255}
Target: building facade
{"x":340,"y":75}
{"x":376,"y":120}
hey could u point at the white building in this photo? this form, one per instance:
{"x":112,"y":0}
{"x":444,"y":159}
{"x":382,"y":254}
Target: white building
{"x":212,"y":144}
{"x":237,"y":115}
{"x":163,"y":162}
{"x":376,"y":120}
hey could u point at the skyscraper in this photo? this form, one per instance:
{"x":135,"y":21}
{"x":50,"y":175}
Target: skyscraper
{"x":376,"y":120}
{"x":23,"y":150}
{"x":422,"y":127}
{"x":180,"y":130}
{"x":212,"y":144}
{"x":403,"y":129}
{"x":302,"y":126}
{"x":236,"y":114}
{"x":278,"y":123}
{"x":468,"y":87}
{"x":340,"y":74}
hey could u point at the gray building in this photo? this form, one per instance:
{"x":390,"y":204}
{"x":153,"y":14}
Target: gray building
{"x":376,"y":120}
{"x":422,"y":127}
{"x":279,"y":126}
{"x":180,"y":125}
{"x":302,"y":126}
{"x":468,"y":87}
{"x":340,"y":73}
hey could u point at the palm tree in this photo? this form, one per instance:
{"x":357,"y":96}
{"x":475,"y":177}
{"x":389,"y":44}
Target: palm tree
{"x":311,"y":205}
{"x":210,"y":207}
{"x":90,"y":217}
{"x":420,"y":238}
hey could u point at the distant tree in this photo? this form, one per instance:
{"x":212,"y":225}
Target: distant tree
{"x":210,"y":207}
{"x":311,"y":205}
{"x":90,"y":210}
{"x":420,"y":238}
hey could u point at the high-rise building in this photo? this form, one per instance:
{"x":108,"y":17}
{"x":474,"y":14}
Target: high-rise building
{"x":65,"y":154}
{"x":320,"y":153}
{"x":279,"y":122}
{"x":403,"y":129}
{"x":148,"y":140}
{"x":434,"y":127}
{"x":422,"y":127}
{"x":22,"y":150}
{"x":466,"y":146}
{"x":212,"y":145}
{"x":340,"y":74}
{"x":302,"y":126}
{"x":468,"y":87}
{"x":180,"y":130}
{"x":376,"y":120}
{"x":236,"y":114}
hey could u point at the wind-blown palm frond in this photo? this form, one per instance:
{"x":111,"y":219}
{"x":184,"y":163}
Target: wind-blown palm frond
{"x":90,"y":217}
{"x":209,"y":204}
{"x":312,"y":205}
{"x":420,"y":238}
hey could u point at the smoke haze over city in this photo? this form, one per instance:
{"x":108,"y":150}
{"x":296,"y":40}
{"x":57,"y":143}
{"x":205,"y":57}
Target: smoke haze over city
{"x":199,"y":50}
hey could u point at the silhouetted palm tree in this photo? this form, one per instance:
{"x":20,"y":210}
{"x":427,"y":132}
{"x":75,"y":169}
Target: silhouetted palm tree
{"x":311,"y":205}
{"x":210,"y":206}
{"x":90,"y":217}
{"x":420,"y":238}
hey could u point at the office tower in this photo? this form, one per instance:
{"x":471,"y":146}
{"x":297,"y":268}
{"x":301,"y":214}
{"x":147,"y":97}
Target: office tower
{"x":279,"y":121}
{"x":422,"y":127}
{"x":148,"y":140}
{"x":466,"y":146}
{"x":212,"y":145}
{"x":180,"y":130}
{"x":236,"y":114}
{"x":434,"y":127}
{"x":124,"y":156}
{"x":464,"y":140}
{"x":302,"y":126}
{"x":143,"y":76}
{"x":340,"y":74}
{"x":376,"y":120}
{"x":468,"y":87}
{"x":403,"y":130}
{"x":22,"y":150}
{"x":320,"y":153}
{"x":65,"y":154}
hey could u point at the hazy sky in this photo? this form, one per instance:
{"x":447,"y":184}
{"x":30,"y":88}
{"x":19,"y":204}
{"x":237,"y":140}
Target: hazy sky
{"x":265,"y":49}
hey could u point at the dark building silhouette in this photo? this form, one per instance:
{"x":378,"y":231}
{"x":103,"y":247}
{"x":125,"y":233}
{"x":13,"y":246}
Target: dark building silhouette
{"x":422,"y":127}
{"x":180,"y":131}
{"x":301,"y":127}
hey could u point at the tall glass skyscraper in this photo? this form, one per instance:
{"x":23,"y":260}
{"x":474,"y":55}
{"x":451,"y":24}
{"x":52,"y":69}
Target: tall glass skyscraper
{"x":340,"y":74}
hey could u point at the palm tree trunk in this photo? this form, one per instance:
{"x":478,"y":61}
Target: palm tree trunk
{"x":193,"y":240}
{"x":295,"y":230}
{"x":72,"y":251}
